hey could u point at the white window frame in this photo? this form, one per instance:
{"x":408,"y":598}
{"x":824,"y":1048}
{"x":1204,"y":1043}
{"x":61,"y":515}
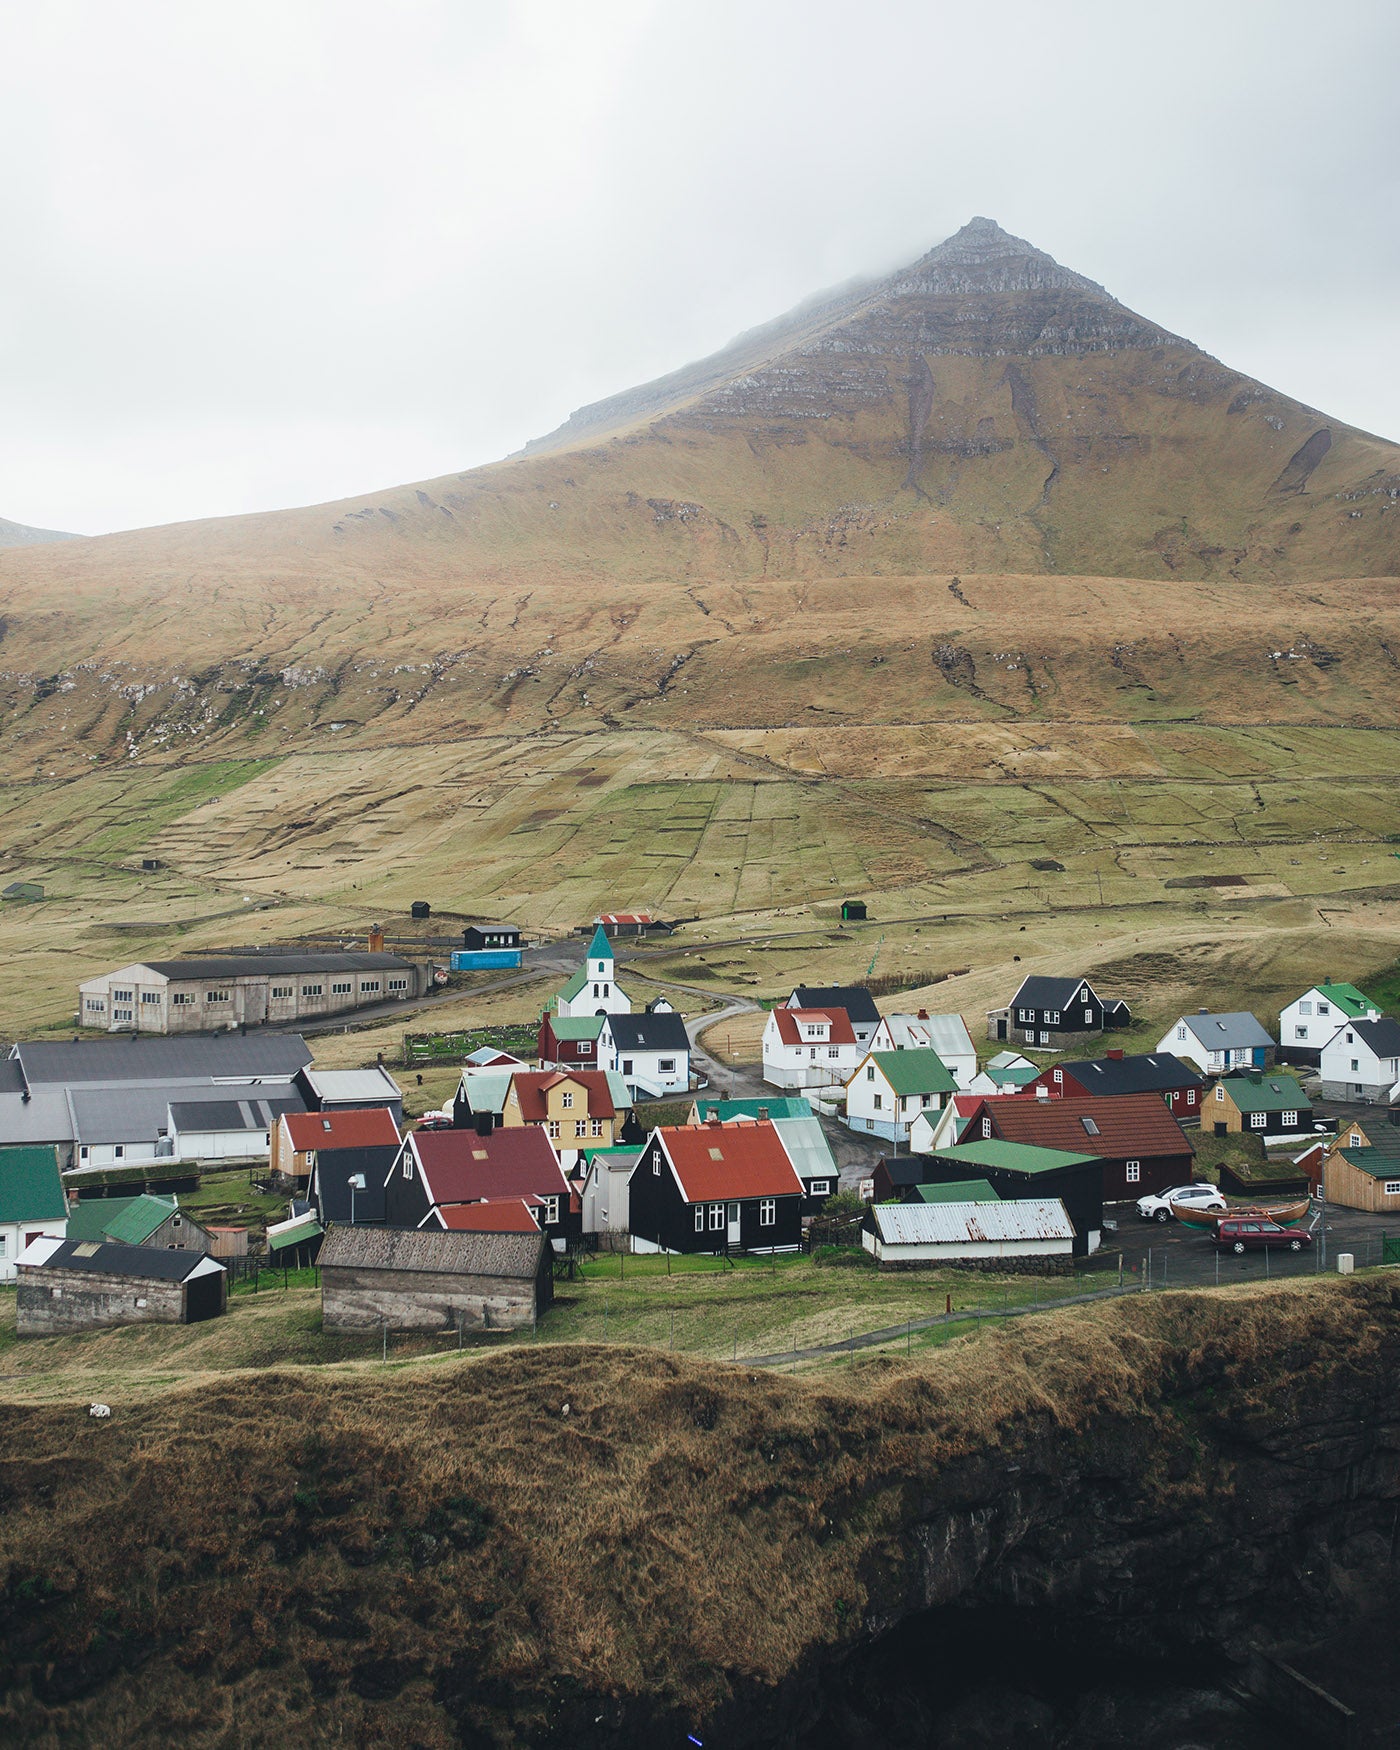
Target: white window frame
{"x":1132,"y":1171}
{"x":1259,"y":1121}
{"x":699,"y":1218}
{"x":717,"y":1222}
{"x":1391,"y":1188}
{"x":768,"y":1212}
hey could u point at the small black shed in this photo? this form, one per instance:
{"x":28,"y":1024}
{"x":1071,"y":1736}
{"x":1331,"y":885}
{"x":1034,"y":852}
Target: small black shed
{"x":852,"y":911}
{"x":421,"y":909}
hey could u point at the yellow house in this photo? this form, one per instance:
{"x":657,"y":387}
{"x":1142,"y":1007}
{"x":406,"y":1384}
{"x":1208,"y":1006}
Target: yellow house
{"x":1362,"y":1167}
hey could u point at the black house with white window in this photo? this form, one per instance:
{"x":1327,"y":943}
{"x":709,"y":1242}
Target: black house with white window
{"x":480,"y":937}
{"x":715,"y":1188}
{"x":1052,"y":1012}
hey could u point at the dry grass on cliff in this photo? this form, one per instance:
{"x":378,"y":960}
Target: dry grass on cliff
{"x":314,"y":1546}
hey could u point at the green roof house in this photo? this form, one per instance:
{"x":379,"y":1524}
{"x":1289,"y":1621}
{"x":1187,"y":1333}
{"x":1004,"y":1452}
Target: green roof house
{"x":569,"y":1041}
{"x":956,"y":1191}
{"x":772,"y":1107}
{"x":32,"y":1203}
{"x":146,"y":1220}
{"x":1259,"y":1104}
{"x":1310,"y":1020}
{"x":891,"y":1088}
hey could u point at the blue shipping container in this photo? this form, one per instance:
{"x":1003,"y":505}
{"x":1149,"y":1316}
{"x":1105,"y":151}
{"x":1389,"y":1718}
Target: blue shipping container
{"x":473,"y":960}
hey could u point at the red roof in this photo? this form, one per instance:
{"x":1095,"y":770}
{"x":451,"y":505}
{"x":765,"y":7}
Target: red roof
{"x":511,"y":1215}
{"x":717,"y":1161}
{"x":352,"y":1129}
{"x":1122,"y":1125}
{"x":461,"y":1167}
{"x":790,"y":1026}
{"x":624,"y":917}
{"x":532,"y":1085}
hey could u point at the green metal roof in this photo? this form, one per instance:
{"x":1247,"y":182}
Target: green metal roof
{"x":30,"y":1188}
{"x":575,"y":1027}
{"x":960,"y":1191}
{"x":1012,"y":1078}
{"x":617,"y":1087}
{"x":1270,"y":1093}
{"x":130,"y":1221}
{"x":914,"y":1072}
{"x":569,"y":991}
{"x":1348,"y":998}
{"x":780,"y":1106}
{"x":1011,"y":1157}
{"x":600,"y":948}
{"x":294,"y":1236}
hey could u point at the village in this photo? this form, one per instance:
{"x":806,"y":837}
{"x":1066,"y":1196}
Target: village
{"x":184,"y":1154}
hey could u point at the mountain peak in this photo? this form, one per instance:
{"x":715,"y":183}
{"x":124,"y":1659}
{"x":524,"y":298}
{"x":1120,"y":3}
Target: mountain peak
{"x":983,"y":258}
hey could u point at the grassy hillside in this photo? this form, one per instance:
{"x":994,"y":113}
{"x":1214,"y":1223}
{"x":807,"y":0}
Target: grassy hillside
{"x":446,"y":1556}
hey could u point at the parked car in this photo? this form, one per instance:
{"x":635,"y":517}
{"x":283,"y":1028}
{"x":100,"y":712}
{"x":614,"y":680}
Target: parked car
{"x":1241,"y":1233}
{"x":1158,"y":1206}
{"x":436,"y":1121}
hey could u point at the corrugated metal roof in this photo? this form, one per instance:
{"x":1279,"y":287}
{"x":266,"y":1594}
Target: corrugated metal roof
{"x":649,"y":1032}
{"x":456,"y":1254}
{"x":237,"y":1117}
{"x":250,"y":965}
{"x":924,"y":1224}
{"x":129,"y":1221}
{"x":301,"y":1228}
{"x":778,"y":1106}
{"x":572,"y":1028}
{"x":804,"y":1142}
{"x":353,"y":1087}
{"x":162,"y":1059}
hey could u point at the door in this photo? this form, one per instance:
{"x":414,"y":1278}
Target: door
{"x":733,"y":1213}
{"x":204,"y":1297}
{"x":1001,"y":1028}
{"x":1222,"y":1130}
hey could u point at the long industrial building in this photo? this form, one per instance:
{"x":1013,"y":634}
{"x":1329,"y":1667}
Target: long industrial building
{"x":244,"y":990}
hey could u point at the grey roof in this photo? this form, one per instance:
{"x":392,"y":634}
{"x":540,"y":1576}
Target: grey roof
{"x":147,"y":1059}
{"x":424,"y":1249}
{"x":804,"y":1142}
{"x":355,"y":1087}
{"x":43,"y":1117}
{"x":1150,"y":1072}
{"x":923,"y":1224}
{"x":1232,"y":1032}
{"x":11,"y":1076}
{"x":1039,"y":992}
{"x":664,"y":1031}
{"x":250,"y":965}
{"x":855,"y":999}
{"x":1382,"y":1037}
{"x":251,"y":1114}
{"x":107,"y":1258}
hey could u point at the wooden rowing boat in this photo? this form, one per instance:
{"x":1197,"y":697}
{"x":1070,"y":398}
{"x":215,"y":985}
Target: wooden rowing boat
{"x":1205,"y":1220}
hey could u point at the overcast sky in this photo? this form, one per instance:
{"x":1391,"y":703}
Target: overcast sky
{"x":293,"y":250}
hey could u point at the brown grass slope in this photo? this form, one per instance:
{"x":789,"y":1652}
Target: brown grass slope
{"x":442,"y":1555}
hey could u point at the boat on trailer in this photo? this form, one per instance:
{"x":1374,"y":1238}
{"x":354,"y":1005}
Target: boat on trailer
{"x":1205,"y":1220}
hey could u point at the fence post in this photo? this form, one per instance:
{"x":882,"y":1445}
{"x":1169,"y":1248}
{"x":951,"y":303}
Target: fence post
{"x":384,"y":1353}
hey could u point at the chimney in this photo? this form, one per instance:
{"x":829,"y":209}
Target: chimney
{"x":1115,"y":1054}
{"x":1041,"y":1091}
{"x":923,"y":1014}
{"x":376,"y":938}
{"x":1256,"y":1076}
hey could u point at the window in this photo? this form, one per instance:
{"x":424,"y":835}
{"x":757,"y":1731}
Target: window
{"x":666,"y":1065}
{"x":820,"y":1188}
{"x":125,"y":996}
{"x":1258,"y":1120}
{"x":121,"y":1014}
{"x":595,"y":1126}
{"x":1324,"y":1008}
{"x":716,"y":1217}
{"x":1056,"y":1017}
{"x":1045,"y":1014}
{"x":1133,"y":1171}
{"x":1351,"y":1037}
{"x":1088,"y":1017}
{"x":119,"y":1152}
{"x":552,"y":1129}
{"x":279,"y":991}
{"x":407,"y":1165}
{"x":870,"y":1073}
{"x":369,"y":987}
{"x":870,"y":1124}
{"x":1059,"y":1075}
{"x":904,"y":1102}
{"x":1030,"y":1035}
{"x":767,"y":1211}
{"x":597,"y":990}
{"x":1289,"y":1120}
{"x":216,"y":996}
{"x":879,"y":1102}
{"x":656,"y":1162}
{"x":342,"y":988}
{"x":312,"y":990}
{"x":1353,"y":1141}
{"x":627,"y":1066}
{"x":1220,"y":1093}
{"x":566,"y":1101}
{"x":1392,"y":1187}
{"x":1044,"y":1037}
{"x":1190,"y":1096}
{"x":83,"y":1152}
{"x":175,"y":1221}
{"x":699,"y":1218}
{"x":150,"y":996}
{"x":549,"y":1209}
{"x":585,"y":1047}
{"x":1355,"y":1063}
{"x":181,"y":998}
{"x":1181,"y":1032}
{"x":1090,"y":1127}
{"x":398,"y":984}
{"x":833,"y":1051}
{"x":986,"y":1128}
{"x":99,"y":1003}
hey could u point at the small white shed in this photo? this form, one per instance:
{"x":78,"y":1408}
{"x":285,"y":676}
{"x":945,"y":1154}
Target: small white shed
{"x":944,"y":1233}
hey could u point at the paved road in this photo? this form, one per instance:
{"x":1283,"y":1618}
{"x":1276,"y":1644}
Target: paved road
{"x":1176,"y":1256}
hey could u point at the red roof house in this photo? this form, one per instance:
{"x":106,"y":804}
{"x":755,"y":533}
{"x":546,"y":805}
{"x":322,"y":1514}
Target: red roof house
{"x":716,"y":1188}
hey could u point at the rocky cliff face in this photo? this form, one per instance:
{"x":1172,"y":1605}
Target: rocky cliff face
{"x":453,"y":1559}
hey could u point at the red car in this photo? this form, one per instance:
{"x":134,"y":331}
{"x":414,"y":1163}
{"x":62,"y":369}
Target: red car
{"x":1241,"y":1233}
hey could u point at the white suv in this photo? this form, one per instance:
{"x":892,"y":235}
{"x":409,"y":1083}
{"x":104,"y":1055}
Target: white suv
{"x":1159,"y":1207}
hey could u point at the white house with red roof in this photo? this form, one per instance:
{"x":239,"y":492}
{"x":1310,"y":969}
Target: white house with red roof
{"x":809,"y":1048}
{"x":715,"y":1188}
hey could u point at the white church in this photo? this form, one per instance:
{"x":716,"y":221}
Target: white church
{"x":593,"y":989}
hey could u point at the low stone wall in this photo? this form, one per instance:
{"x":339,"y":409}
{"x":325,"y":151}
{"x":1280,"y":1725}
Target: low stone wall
{"x":418,"y":1300}
{"x":1059,"y":1266}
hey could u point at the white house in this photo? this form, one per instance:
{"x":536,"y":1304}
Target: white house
{"x":607,"y":1172}
{"x":1310,"y":1020}
{"x":945,"y":1034}
{"x":1361,"y":1061}
{"x":650,"y":1051}
{"x":808,"y":1048}
{"x":594,"y":990}
{"x":1218,"y":1042}
{"x":1006,"y":1073}
{"x":939,"y":1233}
{"x":931,"y":1130}
{"x":889,"y":1089}
{"x":853,"y":999}
{"x":32,"y":1203}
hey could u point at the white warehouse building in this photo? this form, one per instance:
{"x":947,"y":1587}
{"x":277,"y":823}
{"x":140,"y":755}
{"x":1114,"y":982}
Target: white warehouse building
{"x":243,"y":990}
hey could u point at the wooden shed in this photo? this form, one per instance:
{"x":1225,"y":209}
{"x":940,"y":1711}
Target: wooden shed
{"x":421,"y":1280}
{"x":83,"y":1285}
